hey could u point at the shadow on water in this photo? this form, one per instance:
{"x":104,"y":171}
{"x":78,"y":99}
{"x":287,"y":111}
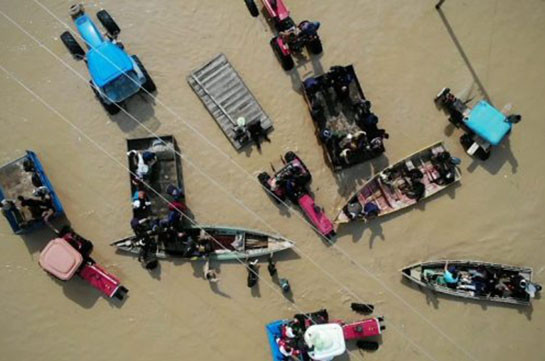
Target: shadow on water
{"x":463,"y":54}
{"x":140,"y":107}
{"x":301,"y":61}
{"x":433,"y":299}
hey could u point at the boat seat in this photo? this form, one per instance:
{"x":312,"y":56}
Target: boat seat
{"x":488,"y":123}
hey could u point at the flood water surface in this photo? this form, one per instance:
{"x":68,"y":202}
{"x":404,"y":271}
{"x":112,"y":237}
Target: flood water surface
{"x":404,"y":52}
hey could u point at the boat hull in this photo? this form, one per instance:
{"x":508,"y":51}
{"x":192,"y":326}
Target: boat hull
{"x":393,"y":197}
{"x":421,"y":272}
{"x":251,"y":244}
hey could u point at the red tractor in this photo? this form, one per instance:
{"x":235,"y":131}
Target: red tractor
{"x":290,"y":38}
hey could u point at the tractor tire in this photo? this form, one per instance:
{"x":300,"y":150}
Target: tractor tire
{"x":111,"y":108}
{"x":285,"y":60}
{"x":149,"y":85}
{"x":263,"y":178}
{"x":368,"y":345}
{"x":109,"y":23}
{"x":315,"y":46}
{"x":72,"y":45}
{"x":290,"y":156}
{"x":252,"y":8}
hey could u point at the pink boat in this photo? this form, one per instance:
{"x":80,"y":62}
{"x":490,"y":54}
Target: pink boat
{"x":291,"y":182}
{"x":63,"y":259}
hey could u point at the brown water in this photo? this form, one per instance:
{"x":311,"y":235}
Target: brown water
{"x":403,"y":54}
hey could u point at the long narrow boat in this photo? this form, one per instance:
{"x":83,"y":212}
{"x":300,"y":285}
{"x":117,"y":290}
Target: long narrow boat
{"x":477,"y":280}
{"x":226,"y":243}
{"x":403,"y":184}
{"x":21,"y":177}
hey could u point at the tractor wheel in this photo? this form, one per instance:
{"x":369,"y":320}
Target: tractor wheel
{"x":149,"y":85}
{"x":252,"y":8}
{"x":111,"y":108}
{"x":264,"y":180}
{"x":109,"y":23}
{"x":72,"y":45}
{"x":368,"y":345}
{"x":315,"y":46}
{"x":285,"y":60}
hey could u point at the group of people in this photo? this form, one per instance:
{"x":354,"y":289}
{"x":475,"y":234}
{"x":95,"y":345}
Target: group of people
{"x":40,"y":205}
{"x":361,"y":141}
{"x":291,"y":342}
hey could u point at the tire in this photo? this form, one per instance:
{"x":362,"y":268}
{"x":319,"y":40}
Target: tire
{"x":111,"y":108}
{"x":252,"y":8}
{"x":368,"y":345}
{"x":285,"y":60}
{"x":149,"y":84}
{"x":264,"y":179}
{"x":482,"y":154}
{"x":315,"y":46}
{"x":72,"y":45}
{"x":290,"y":156}
{"x":109,"y":23}
{"x":362,"y":307}
{"x":121,"y":293}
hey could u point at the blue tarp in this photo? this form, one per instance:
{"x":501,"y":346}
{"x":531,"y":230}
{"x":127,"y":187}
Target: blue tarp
{"x":488,"y":123}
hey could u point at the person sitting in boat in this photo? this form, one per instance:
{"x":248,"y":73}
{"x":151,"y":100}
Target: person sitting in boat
{"x":451,"y":276}
{"x":287,"y":348}
{"x":141,"y":204}
{"x":39,"y":208}
{"x":445,"y":165}
{"x":143,"y":162}
{"x":177,"y":193}
{"x":141,"y":226}
{"x":341,"y":80}
{"x":28,"y":166}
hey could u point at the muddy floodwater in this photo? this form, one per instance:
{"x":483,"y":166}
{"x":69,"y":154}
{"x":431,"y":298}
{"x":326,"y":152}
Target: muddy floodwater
{"x":404,"y":52}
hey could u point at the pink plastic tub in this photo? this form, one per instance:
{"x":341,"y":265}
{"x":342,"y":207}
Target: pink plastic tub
{"x":60,"y":259}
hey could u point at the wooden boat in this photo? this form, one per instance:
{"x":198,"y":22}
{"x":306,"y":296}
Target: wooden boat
{"x":22,"y":177}
{"x":345,"y":124}
{"x":227,"y":243}
{"x":480,"y":281}
{"x":167,"y":170}
{"x":403,"y":184}
{"x":227,"y":98}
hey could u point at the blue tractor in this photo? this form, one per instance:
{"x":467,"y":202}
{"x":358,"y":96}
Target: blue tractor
{"x":115,"y":75}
